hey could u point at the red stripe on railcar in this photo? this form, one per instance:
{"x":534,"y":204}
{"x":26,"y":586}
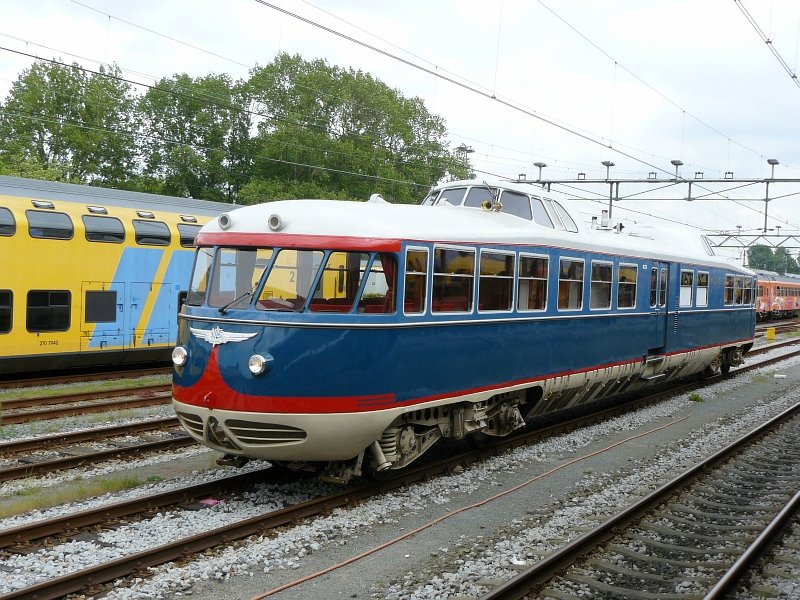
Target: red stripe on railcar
{"x":287,"y":240}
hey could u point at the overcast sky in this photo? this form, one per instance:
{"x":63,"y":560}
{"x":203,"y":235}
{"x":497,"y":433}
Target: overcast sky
{"x":636,"y":82}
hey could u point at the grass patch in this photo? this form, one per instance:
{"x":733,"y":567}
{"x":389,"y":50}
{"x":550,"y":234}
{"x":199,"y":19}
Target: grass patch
{"x":38,"y":498}
{"x":695,"y":397}
{"x":86,"y":387}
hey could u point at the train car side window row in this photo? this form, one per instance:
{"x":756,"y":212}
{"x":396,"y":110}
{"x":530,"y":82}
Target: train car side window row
{"x":48,"y":310}
{"x":49,"y":225}
{"x":8,"y":226}
{"x":6,"y":310}
{"x":738,"y":290}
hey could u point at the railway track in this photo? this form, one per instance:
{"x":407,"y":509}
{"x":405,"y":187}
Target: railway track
{"x":67,"y":405}
{"x":83,"y":377}
{"x":685,"y":537}
{"x":179,"y":549}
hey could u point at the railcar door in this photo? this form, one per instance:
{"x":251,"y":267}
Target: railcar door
{"x":102,"y":315}
{"x":151,"y":307}
{"x":659,"y":310}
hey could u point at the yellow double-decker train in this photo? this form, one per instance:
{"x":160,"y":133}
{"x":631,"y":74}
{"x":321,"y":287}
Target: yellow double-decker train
{"x":91,"y":276}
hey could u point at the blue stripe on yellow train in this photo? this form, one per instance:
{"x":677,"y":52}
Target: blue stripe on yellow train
{"x":91,"y":276}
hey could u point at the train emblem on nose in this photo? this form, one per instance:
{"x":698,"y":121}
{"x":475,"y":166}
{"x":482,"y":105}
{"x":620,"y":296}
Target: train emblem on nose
{"x":217,"y":336}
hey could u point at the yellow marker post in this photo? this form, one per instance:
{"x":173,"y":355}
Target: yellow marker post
{"x":770,"y":333}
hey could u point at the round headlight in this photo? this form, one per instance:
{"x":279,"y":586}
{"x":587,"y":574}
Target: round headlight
{"x":179,"y":356}
{"x":257,"y":364}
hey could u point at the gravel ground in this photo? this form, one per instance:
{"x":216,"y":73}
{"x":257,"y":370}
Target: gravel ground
{"x":458,"y":556}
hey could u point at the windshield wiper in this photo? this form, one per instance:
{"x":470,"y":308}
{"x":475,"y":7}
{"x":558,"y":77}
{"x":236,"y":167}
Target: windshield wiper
{"x":236,"y":300}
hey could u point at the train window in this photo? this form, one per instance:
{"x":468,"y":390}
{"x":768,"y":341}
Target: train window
{"x":565,"y":217}
{"x":290,"y":280}
{"x":654,"y":288}
{"x":662,"y":296}
{"x":496,"y":281}
{"x":452,"y":196}
{"x":516,"y":204}
{"x":48,"y":310}
{"x":6,"y":310}
{"x":626,"y":286}
{"x":237,"y":272}
{"x":570,"y":284}
{"x":478,"y":195}
{"x":600,"y":287}
{"x":453,"y":279}
{"x":702,"y":288}
{"x":200,"y":276}
{"x":49,"y":225}
{"x":7,"y":224}
{"x":748,"y":291}
{"x":430,"y":199}
{"x":338,"y":286}
{"x":687,"y":286}
{"x":739,"y":289}
{"x":532,"y":292}
{"x":540,"y":215}
{"x":729,"y":287}
{"x":151,"y":233}
{"x":101,"y":306}
{"x":187,"y":234}
{"x":416,"y":281}
{"x":378,"y":295}
{"x":103,"y":229}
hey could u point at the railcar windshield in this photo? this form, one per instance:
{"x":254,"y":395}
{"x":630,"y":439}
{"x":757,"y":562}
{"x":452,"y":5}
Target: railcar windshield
{"x":287,"y":279}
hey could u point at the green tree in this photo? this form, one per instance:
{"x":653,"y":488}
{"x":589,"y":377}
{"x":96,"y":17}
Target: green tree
{"x":760,"y":257}
{"x":195,"y":137}
{"x":66,"y":124}
{"x":339,"y":132}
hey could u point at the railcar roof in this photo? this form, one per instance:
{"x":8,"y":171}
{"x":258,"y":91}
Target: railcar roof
{"x":56,"y":191}
{"x":453,"y":225}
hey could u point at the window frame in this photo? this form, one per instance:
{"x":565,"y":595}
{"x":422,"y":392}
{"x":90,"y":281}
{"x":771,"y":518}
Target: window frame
{"x":592,"y":281}
{"x":509,"y":278}
{"x":96,"y":218}
{"x":699,"y":287}
{"x":582,"y":281}
{"x":10,"y":308}
{"x":546,"y":280}
{"x":31,"y":226}
{"x":49,"y":292}
{"x":682,"y":301}
{"x":137,"y":236}
{"x":12,"y":224}
{"x":434,"y":274}
{"x":634,"y":284}
{"x":426,"y":278}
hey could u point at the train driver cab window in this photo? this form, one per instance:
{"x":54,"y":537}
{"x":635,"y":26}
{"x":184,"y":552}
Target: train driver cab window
{"x":496,"y":282}
{"x":702,"y":288}
{"x":237,"y":272}
{"x":8,"y":225}
{"x":290,"y":280}
{"x":478,"y":195}
{"x":626,"y":286}
{"x":687,"y":286}
{"x":151,"y":233}
{"x":49,"y":225}
{"x":516,"y":204}
{"x":729,"y":289}
{"x":452,"y":196}
{"x":201,"y":272}
{"x":416,"y":287}
{"x":187,"y":234}
{"x":570,"y":284}
{"x":600,"y":287}
{"x":453,"y":280}
{"x":103,"y":229}
{"x":6,"y":310}
{"x":48,"y":310}
{"x":532,"y":292}
{"x":566,"y":219}
{"x":101,"y":306}
{"x":339,"y":283}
